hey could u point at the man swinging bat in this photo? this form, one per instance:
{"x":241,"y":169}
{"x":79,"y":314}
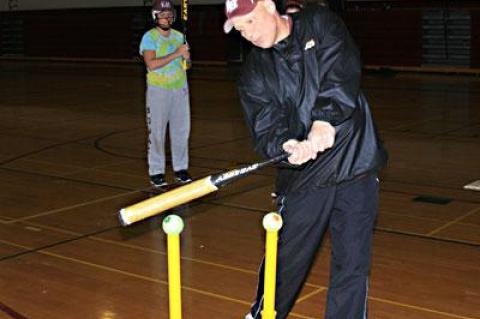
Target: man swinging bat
{"x":300,"y":91}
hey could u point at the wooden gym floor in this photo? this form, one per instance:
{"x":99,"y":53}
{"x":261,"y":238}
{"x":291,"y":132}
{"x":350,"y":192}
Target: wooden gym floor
{"x":72,"y":152}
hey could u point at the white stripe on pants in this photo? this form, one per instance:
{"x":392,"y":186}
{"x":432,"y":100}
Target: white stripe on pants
{"x":170,"y":107}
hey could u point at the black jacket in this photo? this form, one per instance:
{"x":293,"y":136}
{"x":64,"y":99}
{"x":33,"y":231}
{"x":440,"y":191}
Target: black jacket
{"x":314,"y":74}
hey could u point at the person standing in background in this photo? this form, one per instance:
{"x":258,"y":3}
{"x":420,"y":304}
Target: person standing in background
{"x":167,"y":97}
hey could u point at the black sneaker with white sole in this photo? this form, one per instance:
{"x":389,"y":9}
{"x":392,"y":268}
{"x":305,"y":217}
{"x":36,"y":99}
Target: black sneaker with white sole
{"x":183,"y":176}
{"x":158,"y":180}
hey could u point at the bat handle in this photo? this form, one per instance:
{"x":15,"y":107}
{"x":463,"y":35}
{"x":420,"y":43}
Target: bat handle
{"x":186,"y":63}
{"x":278,"y":158}
{"x":225,"y":178}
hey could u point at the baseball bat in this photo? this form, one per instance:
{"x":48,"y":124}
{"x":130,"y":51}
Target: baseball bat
{"x":184,"y":17}
{"x":188,"y":192}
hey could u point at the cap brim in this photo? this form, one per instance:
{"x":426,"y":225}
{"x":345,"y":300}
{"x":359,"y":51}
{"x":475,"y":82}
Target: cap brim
{"x":227,"y":26}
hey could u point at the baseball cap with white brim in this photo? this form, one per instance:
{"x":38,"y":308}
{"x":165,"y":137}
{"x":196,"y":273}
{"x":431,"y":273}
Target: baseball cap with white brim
{"x":236,"y":8}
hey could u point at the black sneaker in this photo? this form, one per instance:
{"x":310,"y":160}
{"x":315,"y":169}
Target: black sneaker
{"x":158,"y":180}
{"x":183,"y":176}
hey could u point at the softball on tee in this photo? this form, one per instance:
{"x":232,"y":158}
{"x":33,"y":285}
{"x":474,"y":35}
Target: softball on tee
{"x":272,"y":222}
{"x":172,"y":225}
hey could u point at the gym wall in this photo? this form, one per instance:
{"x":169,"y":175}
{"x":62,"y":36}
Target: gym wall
{"x":403,"y":33}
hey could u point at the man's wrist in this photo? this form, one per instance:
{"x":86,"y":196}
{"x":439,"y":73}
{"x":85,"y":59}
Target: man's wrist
{"x":320,"y":123}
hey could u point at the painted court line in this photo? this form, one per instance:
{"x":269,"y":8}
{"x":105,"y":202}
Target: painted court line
{"x":157,"y":252}
{"x":76,"y":169}
{"x":473,"y":211}
{"x":394,"y":303}
{"x":320,"y":288}
{"x":311,"y":294}
{"x":142,"y":277}
{"x":55,"y":211}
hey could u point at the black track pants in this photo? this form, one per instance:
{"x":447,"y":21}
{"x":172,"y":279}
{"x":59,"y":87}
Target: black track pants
{"x":349,"y":211}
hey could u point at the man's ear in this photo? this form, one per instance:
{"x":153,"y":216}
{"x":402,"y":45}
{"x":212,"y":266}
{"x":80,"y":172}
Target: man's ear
{"x":270,"y":6}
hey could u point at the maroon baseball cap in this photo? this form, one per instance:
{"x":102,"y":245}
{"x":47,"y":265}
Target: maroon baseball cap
{"x":236,"y":8}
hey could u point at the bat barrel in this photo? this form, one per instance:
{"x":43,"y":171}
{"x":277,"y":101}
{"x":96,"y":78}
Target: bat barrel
{"x":163,"y":202}
{"x":187,"y":193}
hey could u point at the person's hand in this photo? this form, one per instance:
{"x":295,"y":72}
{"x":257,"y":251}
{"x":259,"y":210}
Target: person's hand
{"x":321,"y":136}
{"x":300,"y":152}
{"x":183,"y":51}
{"x":186,"y":56}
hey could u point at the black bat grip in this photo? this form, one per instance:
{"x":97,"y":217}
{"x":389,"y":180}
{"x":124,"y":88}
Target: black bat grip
{"x":276,"y":159}
{"x":222,"y":179}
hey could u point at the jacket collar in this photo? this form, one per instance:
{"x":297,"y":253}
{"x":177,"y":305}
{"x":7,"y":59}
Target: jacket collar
{"x":287,"y":46}
{"x":285,"y":42}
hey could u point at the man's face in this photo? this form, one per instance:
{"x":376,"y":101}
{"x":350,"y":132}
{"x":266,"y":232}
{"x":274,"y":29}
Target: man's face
{"x":259,"y":26}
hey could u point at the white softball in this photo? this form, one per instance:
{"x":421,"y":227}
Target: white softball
{"x":172,"y":225}
{"x":272,"y":222}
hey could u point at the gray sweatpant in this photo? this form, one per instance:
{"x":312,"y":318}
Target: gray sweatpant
{"x":170,"y":107}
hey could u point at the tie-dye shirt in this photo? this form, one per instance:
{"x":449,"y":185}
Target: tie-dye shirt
{"x":172,"y":75}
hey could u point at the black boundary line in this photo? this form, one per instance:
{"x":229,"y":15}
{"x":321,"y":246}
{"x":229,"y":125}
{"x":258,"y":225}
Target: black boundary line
{"x":220,"y":197}
{"x":383,"y":188}
{"x":407,"y":131}
{"x":99,"y":147}
{"x":220,"y":143}
{"x":10,"y":312}
{"x":86,"y":182}
{"x":225,"y":119}
{"x":145,"y":190}
{"x":443,"y":136}
{"x":65,"y":67}
{"x":233,"y":79}
{"x":377,"y":229}
{"x":452,"y":241}
{"x":58,"y":243}
{"x":440,"y":135}
{"x":256,"y":210}
{"x":213,"y":202}
{"x":445,"y":89}
{"x":21,"y":171}
{"x":7,"y":161}
{"x":231,"y":194}
{"x":448,"y":132}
